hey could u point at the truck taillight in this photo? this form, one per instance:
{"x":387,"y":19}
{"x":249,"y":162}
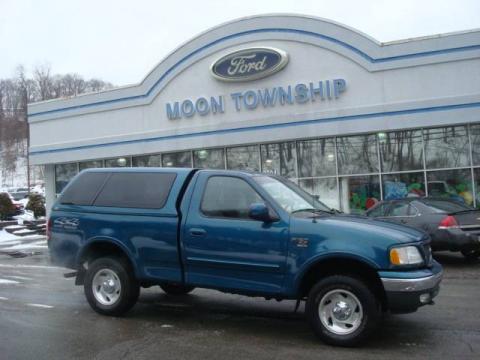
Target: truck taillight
{"x":49,"y":230}
{"x":448,"y":222}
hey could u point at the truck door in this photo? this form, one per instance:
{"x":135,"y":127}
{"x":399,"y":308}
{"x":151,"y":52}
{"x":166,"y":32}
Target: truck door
{"x":223,"y":247}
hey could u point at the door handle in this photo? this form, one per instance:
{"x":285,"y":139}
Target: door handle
{"x":197,"y":232}
{"x":403,"y":221}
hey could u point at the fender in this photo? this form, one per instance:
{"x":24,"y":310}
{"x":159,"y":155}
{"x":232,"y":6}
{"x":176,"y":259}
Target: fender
{"x":297,"y":281}
{"x":111,"y":241}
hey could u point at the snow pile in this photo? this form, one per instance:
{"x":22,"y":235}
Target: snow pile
{"x":11,"y":242}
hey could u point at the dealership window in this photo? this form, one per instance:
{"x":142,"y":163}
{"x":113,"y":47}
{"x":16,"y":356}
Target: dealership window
{"x":401,"y":150}
{"x":398,"y":186}
{"x":446,"y":147}
{"x":357,"y":154}
{"x":90,"y":164}
{"x":324,"y":188}
{"x":475,"y":137}
{"x":279,"y":159}
{"x":316,"y":157}
{"x":359,"y":193}
{"x":243,"y":158}
{"x":118,"y":162}
{"x":147,"y":161}
{"x":63,"y":174}
{"x":476,"y":174}
{"x":178,"y":159}
{"x":452,"y":184}
{"x":209,"y":159}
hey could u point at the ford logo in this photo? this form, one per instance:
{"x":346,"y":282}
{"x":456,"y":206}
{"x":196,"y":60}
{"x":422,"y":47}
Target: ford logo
{"x":249,"y":64}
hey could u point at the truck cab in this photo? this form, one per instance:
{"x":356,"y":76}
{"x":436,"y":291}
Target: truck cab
{"x":237,"y":232}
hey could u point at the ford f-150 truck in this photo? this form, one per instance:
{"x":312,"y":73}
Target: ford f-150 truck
{"x":237,"y":232}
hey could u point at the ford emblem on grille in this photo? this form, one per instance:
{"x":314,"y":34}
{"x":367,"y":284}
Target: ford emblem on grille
{"x":249,"y":64}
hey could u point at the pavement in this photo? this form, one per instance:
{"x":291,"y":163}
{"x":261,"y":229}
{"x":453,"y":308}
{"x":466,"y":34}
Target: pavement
{"x":45,"y":316}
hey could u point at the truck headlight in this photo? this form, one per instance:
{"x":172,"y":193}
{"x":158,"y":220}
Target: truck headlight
{"x":405,"y":255}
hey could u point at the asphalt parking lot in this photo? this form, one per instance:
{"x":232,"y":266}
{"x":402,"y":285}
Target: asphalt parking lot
{"x":44,"y":316}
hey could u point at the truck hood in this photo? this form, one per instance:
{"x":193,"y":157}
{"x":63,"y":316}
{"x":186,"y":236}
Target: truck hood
{"x":357,"y":227}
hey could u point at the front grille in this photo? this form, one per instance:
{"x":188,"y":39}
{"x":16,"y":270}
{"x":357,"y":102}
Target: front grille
{"x":427,"y":252}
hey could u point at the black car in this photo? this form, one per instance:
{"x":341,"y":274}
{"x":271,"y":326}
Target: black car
{"x":452,"y":226}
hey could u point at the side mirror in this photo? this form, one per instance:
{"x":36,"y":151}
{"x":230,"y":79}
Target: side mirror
{"x":259,"y":211}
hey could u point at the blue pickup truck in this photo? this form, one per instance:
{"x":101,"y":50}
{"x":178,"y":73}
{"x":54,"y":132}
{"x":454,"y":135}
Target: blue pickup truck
{"x":237,"y":232}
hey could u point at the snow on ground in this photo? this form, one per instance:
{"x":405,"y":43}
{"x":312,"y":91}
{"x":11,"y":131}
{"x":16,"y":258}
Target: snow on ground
{"x":10,"y":242}
{"x":33,"y":245}
{"x":8,"y":282}
{"x":27,"y":215}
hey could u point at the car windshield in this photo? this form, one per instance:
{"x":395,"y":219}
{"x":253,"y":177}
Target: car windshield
{"x":290,"y":196}
{"x":445,"y":206}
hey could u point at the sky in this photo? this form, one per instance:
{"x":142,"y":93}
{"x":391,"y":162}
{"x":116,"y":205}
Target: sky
{"x":120,"y":41}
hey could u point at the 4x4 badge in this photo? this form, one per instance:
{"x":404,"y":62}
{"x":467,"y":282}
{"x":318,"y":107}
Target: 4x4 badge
{"x":301,"y":242}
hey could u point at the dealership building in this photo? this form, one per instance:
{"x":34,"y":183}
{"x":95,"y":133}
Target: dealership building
{"x":350,"y":119}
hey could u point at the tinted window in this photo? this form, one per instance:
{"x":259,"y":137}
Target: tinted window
{"x":399,"y":209}
{"x":378,"y":210}
{"x":228,"y":197}
{"x":445,"y":206}
{"x":84,"y":189}
{"x":136,"y":190}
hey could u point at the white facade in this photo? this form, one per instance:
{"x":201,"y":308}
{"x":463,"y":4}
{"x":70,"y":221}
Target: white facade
{"x":415,"y":83}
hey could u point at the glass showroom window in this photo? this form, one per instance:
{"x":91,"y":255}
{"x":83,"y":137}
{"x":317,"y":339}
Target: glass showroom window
{"x":401,"y":150}
{"x":316,"y":158}
{"x":243,"y":158}
{"x":476,"y":174}
{"x":147,"y":161}
{"x":446,"y":147}
{"x":398,"y":186}
{"x":279,"y":159}
{"x":63,"y":174}
{"x":325,"y":189}
{"x":452,"y":184}
{"x":118,"y":162}
{"x":90,"y":164}
{"x":179,"y":159}
{"x":359,"y":193}
{"x":475,"y":137}
{"x":209,"y":159}
{"x":357,"y":154}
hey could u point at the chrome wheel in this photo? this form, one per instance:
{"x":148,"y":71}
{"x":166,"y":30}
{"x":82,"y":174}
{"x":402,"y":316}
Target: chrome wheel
{"x":106,"y":287}
{"x":340,"y":312}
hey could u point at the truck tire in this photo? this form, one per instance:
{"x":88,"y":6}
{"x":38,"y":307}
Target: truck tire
{"x":342,"y":310}
{"x":176,"y":289}
{"x":110,"y":286}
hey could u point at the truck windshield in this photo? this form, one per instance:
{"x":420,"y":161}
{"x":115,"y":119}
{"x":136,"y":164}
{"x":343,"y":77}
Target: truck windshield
{"x":290,"y":196}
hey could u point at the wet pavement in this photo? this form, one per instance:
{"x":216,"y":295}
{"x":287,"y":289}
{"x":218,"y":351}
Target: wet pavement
{"x":44,"y":316}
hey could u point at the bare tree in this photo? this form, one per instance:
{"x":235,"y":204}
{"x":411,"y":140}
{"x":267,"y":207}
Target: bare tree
{"x":16,"y":93}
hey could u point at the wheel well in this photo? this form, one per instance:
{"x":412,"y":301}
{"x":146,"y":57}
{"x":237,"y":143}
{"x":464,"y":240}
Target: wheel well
{"x":342,"y":266}
{"x":97,"y":250}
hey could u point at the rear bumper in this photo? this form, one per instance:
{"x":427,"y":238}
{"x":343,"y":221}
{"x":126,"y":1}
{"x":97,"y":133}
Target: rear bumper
{"x":455,"y":240}
{"x":406,"y":292}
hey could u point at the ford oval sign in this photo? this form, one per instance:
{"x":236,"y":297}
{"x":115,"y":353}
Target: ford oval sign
{"x":249,"y":64}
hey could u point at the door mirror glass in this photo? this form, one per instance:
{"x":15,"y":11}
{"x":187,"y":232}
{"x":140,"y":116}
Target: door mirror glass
{"x":259,"y":211}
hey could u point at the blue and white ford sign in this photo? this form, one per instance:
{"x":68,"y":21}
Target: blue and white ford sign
{"x":249,"y":64}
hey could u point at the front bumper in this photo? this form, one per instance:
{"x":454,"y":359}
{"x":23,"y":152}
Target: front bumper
{"x":407,"y":291}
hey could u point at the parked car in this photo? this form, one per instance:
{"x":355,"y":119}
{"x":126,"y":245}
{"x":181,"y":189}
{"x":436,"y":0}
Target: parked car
{"x":237,"y":232}
{"x":452,"y":225}
{"x":18,"y":206}
{"x":19,"y":194}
